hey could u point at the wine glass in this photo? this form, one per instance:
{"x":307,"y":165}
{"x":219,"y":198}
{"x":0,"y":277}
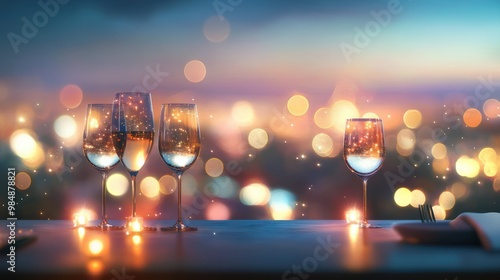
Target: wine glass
{"x":133,"y":133}
{"x":364,"y":152}
{"x":179,"y":144}
{"x":99,"y":150}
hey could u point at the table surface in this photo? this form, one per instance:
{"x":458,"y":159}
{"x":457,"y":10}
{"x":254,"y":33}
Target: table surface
{"x":257,"y":249}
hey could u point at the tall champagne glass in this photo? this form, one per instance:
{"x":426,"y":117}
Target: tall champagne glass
{"x":99,"y":149}
{"x":364,"y":152}
{"x":179,"y":144}
{"x":133,"y":133}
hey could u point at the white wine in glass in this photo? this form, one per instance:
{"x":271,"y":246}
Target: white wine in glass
{"x":99,"y":150}
{"x":133,"y":133}
{"x":364,"y":152}
{"x":179,"y":143}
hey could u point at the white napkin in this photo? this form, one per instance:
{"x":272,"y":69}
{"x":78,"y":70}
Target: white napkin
{"x":486,"y":225}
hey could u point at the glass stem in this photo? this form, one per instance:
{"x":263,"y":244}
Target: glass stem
{"x":179,"y":207}
{"x":133,"y":175}
{"x":104,"y":218}
{"x":365,"y":215}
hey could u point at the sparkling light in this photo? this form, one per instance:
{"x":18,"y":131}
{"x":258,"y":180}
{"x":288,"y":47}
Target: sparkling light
{"x":298,"y":105}
{"x":195,"y":71}
{"x":117,"y":184}
{"x":65,"y":126}
{"x":258,"y":138}
{"x":417,"y":198}
{"x":214,"y":167}
{"x":472,"y":117}
{"x":216,"y":29}
{"x":446,"y":200}
{"x":71,"y":96}
{"x":412,"y":118}
{"x":243,"y":113}
{"x":150,"y":187}
{"x":353,"y":216}
{"x":403,"y":197}
{"x":96,"y":247}
{"x":255,"y":194}
{"x":322,"y":144}
{"x":217,"y":211}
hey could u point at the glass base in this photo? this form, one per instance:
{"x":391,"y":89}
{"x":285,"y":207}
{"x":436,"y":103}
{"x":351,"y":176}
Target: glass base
{"x":104,"y":225}
{"x":179,"y":226}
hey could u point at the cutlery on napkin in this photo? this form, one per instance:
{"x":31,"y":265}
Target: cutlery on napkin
{"x":486,"y":225}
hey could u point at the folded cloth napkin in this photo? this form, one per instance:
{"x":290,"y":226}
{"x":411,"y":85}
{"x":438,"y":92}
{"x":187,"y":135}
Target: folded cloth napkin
{"x":486,"y":225}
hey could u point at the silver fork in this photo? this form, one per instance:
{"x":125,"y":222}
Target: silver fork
{"x":426,"y":213}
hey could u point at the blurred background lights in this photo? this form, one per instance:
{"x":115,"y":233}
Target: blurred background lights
{"x":340,"y":111}
{"x":117,"y":184}
{"x":217,"y":211}
{"x":195,"y":71}
{"x":255,"y":194}
{"x":322,"y":118}
{"x":281,"y":204}
{"x":96,"y":247}
{"x":370,"y":115}
{"x":467,"y":167}
{"x":412,"y":118}
{"x":441,"y":166}
{"x":243,"y":113}
{"x":65,"y":126}
{"x":472,"y":117}
{"x":168,"y":184}
{"x":222,"y":186}
{"x":297,"y":105}
{"x":150,"y":186}
{"x":417,"y":198}
{"x":487,"y":155}
{"x":23,"y":144}
{"x":258,"y":138}
{"x":214,"y":167}
{"x":496,"y":184}
{"x":23,"y":180}
{"x":439,"y":151}
{"x":406,"y":139}
{"x":403,"y":197}
{"x":439,"y":212}
{"x":322,"y":144}
{"x":459,"y":189}
{"x":490,"y":169}
{"x":491,"y":108}
{"x":446,"y":200}
{"x":71,"y":96}
{"x":216,"y":29}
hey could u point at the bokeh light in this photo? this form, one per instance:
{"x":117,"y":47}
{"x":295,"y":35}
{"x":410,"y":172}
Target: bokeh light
{"x":412,"y":118}
{"x":65,"y":126}
{"x":439,"y":151}
{"x":403,"y":197}
{"x":322,"y":118}
{"x":168,"y":184}
{"x":281,"y":212}
{"x":417,"y":198}
{"x":214,"y":167}
{"x":222,"y":186}
{"x":441,"y":166}
{"x":370,"y":115}
{"x":487,"y":155}
{"x":23,"y":144}
{"x":117,"y":184}
{"x":490,"y":169}
{"x":406,"y":139}
{"x":472,"y":117}
{"x":243,"y":113}
{"x":467,"y":167}
{"x":71,"y":96}
{"x":459,"y":189}
{"x":150,"y":187}
{"x":23,"y":180}
{"x":496,"y":184}
{"x":439,"y":212}
{"x":297,"y":105}
{"x":195,"y":71}
{"x":258,"y":138}
{"x":446,"y":200}
{"x":217,"y":211}
{"x":216,"y":29}
{"x":322,"y":144}
{"x":340,"y":111}
{"x":491,"y":108}
{"x":255,"y":194}
{"x":281,"y":204}
{"x":96,"y":247}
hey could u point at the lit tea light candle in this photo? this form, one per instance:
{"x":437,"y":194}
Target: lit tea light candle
{"x":80,"y":219}
{"x":352,"y":216}
{"x":135,"y":224}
